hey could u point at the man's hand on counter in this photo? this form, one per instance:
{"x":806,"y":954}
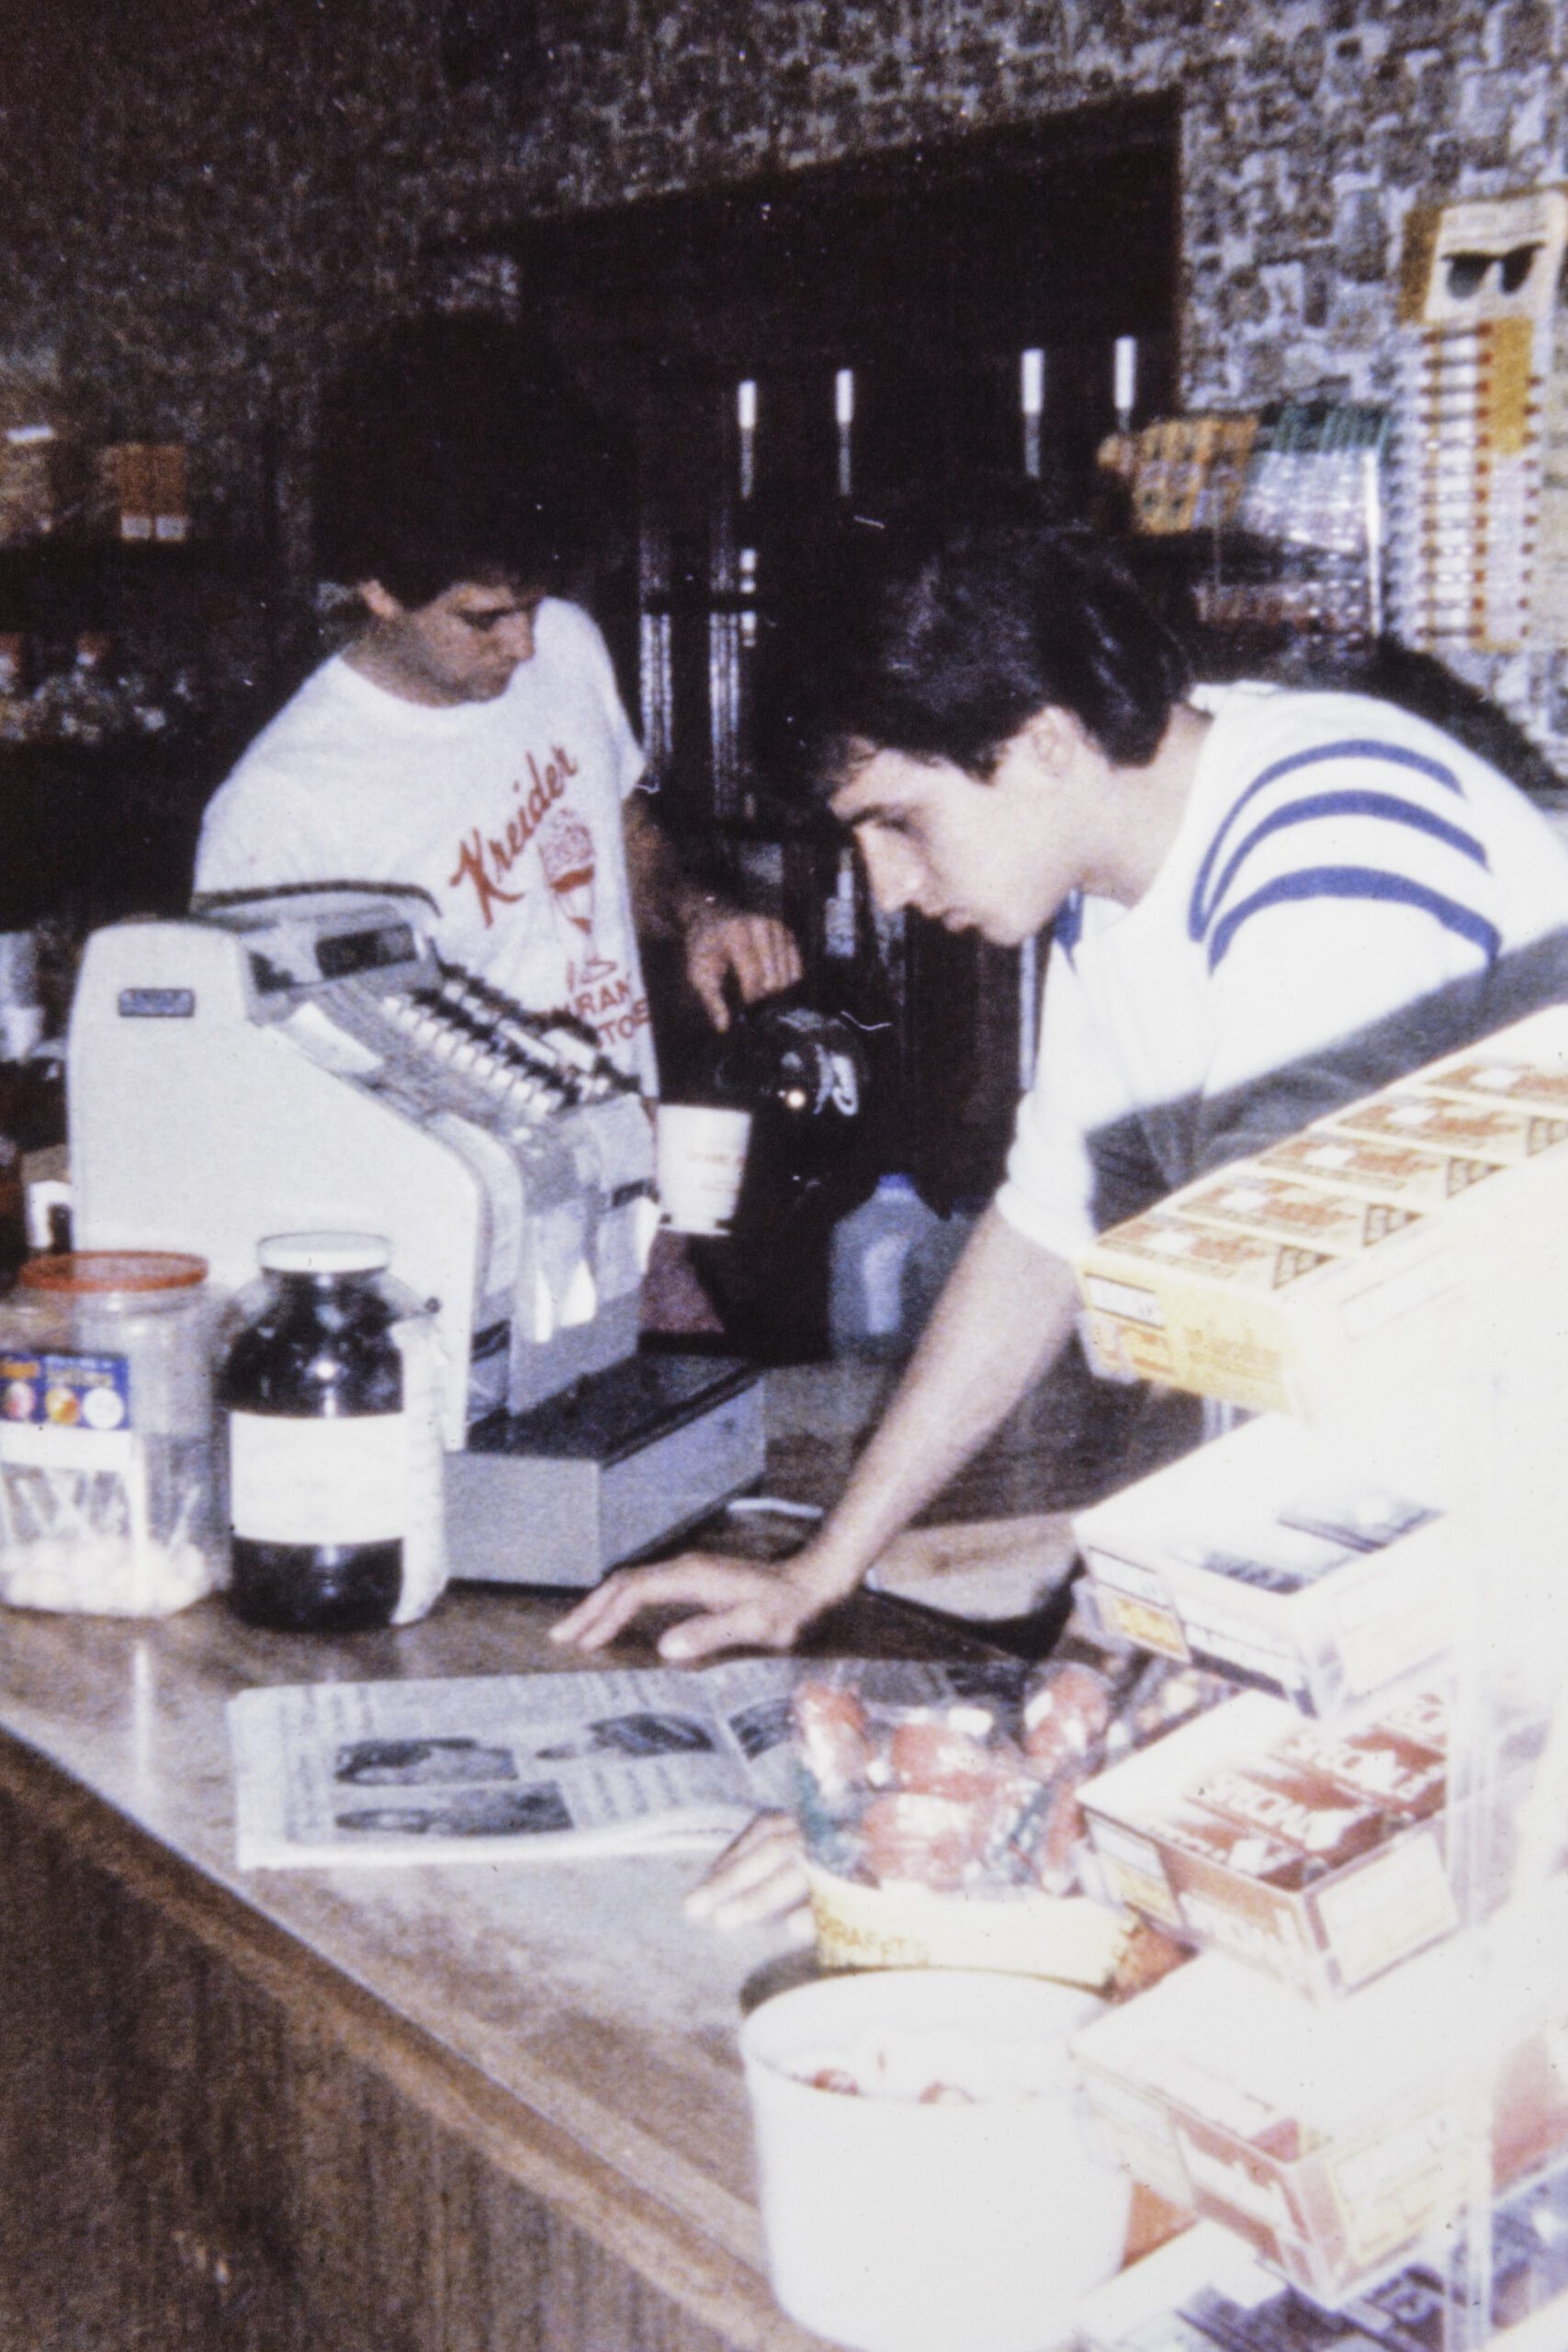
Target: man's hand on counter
{"x":759,"y":951}
{"x":760,"y":1875}
{"x":737,"y":1604}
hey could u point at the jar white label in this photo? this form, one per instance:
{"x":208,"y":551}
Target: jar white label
{"x":424,"y":1532}
{"x":325,"y":1481}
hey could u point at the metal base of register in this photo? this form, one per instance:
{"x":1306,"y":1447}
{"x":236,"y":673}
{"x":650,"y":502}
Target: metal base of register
{"x":627,"y":1459}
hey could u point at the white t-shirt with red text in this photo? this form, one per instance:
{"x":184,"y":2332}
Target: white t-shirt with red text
{"x":508,"y":812}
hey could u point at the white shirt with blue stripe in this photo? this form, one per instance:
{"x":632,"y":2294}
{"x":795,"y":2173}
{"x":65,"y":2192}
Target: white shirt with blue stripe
{"x":1338,"y":862}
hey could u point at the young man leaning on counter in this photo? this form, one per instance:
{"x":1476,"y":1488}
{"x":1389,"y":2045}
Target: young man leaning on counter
{"x":1267,"y":902}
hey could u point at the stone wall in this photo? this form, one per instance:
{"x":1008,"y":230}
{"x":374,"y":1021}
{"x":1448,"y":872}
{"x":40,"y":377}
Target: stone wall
{"x":203,"y":206}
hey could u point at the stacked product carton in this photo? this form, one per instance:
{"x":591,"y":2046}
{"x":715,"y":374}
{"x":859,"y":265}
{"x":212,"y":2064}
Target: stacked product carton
{"x":1361,"y":1272}
{"x":1327,"y":2138}
{"x":1368,"y":2030}
{"x":1274,"y":1559}
{"x":1205,"y":2291}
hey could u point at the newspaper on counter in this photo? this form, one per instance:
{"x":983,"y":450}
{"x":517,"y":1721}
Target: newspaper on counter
{"x":472,"y":1768}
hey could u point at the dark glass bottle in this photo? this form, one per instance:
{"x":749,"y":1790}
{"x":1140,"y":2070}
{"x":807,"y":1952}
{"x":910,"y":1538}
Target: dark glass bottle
{"x":803,"y":1075}
{"x":313,"y":1391}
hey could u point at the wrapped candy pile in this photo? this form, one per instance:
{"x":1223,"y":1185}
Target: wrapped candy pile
{"x":965,"y":1780}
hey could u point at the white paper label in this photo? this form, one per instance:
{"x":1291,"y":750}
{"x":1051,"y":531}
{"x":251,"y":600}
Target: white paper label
{"x":425,"y":1525}
{"x":318,"y":1481}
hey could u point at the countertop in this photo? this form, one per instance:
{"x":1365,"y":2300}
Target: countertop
{"x":578,"y":1992}
{"x":564,"y":2018}
{"x":565,"y":2014}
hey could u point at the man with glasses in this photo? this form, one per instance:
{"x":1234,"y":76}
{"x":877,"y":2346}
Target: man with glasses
{"x":469,"y":739}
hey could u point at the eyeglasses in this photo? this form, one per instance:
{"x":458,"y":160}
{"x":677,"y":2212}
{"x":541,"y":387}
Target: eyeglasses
{"x":1467,"y":272}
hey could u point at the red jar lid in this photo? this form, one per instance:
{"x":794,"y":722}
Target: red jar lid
{"x":73,"y":1273}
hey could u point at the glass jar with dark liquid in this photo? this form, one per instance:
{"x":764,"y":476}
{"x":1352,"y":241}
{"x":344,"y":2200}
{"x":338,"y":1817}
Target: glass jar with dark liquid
{"x":329,"y":1396}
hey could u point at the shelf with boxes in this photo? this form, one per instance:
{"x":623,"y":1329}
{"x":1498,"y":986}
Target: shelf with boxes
{"x":104,"y":642}
{"x":126,"y":616}
{"x":1269,"y":524}
{"x":1359,"y":2077}
{"x":131,"y":672}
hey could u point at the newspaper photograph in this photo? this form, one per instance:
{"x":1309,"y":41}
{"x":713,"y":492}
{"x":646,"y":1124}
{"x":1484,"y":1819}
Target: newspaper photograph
{"x":470,"y":1769}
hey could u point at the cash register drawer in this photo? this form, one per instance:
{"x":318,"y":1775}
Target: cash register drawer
{"x":622,"y":1464}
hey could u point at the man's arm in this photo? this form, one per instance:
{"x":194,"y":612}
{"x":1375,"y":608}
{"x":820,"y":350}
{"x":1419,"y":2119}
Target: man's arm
{"x":1005,"y":1314}
{"x":719,"y":939}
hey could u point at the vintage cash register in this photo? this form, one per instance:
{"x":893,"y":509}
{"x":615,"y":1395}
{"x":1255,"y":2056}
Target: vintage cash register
{"x":305,"y":1061}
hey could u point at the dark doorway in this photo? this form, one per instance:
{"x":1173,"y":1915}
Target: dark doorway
{"x":775,"y":352}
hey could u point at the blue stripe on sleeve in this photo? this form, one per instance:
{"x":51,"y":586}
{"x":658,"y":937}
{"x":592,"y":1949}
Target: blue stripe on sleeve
{"x":1342,"y":804}
{"x":1356,"y":882}
{"x":1350,"y":748}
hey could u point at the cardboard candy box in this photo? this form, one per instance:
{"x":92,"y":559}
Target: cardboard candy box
{"x":1399,"y":1173}
{"x":1325,"y":2139}
{"x":1237,"y":1287}
{"x":1313,"y":1854}
{"x":1274,"y":1559}
{"x":1206,"y":2292}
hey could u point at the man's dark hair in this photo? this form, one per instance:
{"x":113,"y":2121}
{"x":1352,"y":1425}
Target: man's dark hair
{"x":449,"y":451}
{"x":968,"y":631}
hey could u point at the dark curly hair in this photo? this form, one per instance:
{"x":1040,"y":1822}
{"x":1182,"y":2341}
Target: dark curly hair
{"x":961,"y":634}
{"x":449,"y":450}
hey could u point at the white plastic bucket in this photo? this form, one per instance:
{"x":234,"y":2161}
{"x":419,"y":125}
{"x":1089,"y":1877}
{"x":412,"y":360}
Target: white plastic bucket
{"x":898,"y":2226}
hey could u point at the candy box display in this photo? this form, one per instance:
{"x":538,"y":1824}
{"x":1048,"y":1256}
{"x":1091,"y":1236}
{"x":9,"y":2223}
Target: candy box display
{"x":940,"y":1806}
{"x":1267,"y":1556}
{"x":1233,"y":1314}
{"x":1338,"y":1223}
{"x":1240,"y":1287}
{"x":1312,"y":1850}
{"x":1205,"y":2291}
{"x":1417,"y":1113}
{"x":1325,"y":2138}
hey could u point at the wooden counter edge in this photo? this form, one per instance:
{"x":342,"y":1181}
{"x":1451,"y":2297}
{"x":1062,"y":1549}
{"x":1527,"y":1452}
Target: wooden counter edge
{"x":709,"y":2283}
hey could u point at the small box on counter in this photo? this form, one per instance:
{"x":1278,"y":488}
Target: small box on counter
{"x":1268,"y":1556}
{"x":1325,"y":2139}
{"x":1314,"y":1855}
